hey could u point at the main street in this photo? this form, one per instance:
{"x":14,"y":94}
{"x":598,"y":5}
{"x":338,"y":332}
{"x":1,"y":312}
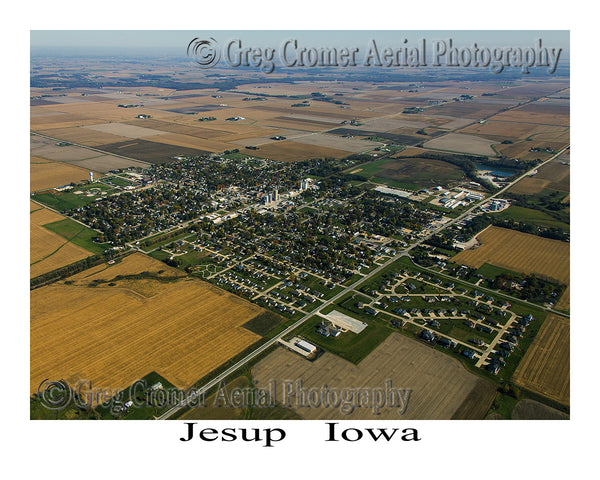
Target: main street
{"x":222,"y":376}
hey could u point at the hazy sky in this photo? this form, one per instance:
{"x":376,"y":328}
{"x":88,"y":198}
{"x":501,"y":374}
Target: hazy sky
{"x":163,"y":40}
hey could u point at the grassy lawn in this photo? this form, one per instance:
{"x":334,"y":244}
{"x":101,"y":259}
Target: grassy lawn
{"x":492,"y":271}
{"x":77,"y":234}
{"x":121,"y":182}
{"x":350,"y":346}
{"x":263,"y":323}
{"x":529,"y":215}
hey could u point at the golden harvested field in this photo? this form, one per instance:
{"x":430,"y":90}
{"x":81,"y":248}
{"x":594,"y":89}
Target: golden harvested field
{"x":564,"y":303}
{"x":99,"y":112}
{"x":519,"y":252}
{"x":47,"y":250}
{"x":114,"y":335}
{"x":545,"y":369}
{"x":441,"y":386}
{"x":56,"y":174}
{"x":288,"y":151}
{"x":50,"y":122}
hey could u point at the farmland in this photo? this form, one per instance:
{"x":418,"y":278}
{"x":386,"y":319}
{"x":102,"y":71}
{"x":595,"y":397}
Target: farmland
{"x":457,"y":142}
{"x":545,"y":369}
{"x":114,"y":330}
{"x":510,"y":130}
{"x":276,"y":237}
{"x":147,"y":151}
{"x":54,"y":174}
{"x":289,"y":151}
{"x":412,"y":172}
{"x":519,"y":252}
{"x":49,"y":250}
{"x":538,"y":112}
{"x":440,"y":386}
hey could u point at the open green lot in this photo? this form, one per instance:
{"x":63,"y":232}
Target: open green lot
{"x":529,"y":215}
{"x":350,"y":346}
{"x":77,"y":234}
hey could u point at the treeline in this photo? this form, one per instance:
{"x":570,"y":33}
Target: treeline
{"x":68,"y":270}
{"x":510,"y":163}
{"x":554,"y":233}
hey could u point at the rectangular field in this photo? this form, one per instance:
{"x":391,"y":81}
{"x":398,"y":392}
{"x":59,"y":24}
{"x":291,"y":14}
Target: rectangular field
{"x":456,"y":142}
{"x":440,"y":386}
{"x":288,"y":151}
{"x":537,"y":112}
{"x":119,"y":330}
{"x":148,"y":151}
{"x":511,"y":130}
{"x":125,"y":130}
{"x":333,"y":141}
{"x":56,"y":174}
{"x":545,"y":369}
{"x":519,"y":252}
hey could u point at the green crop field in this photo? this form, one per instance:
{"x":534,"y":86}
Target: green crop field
{"x":77,"y":234}
{"x":62,"y":201}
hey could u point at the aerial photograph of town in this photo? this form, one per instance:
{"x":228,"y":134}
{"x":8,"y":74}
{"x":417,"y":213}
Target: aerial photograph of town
{"x":300,"y":226}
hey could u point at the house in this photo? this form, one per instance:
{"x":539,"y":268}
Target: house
{"x":484,"y":328}
{"x":493,"y":367}
{"x":427,"y":336}
{"x":328,"y":330}
{"x":469,"y":353}
{"x":446,"y":343}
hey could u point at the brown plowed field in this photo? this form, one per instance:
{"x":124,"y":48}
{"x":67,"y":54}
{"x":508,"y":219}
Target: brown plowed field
{"x":441,"y":387}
